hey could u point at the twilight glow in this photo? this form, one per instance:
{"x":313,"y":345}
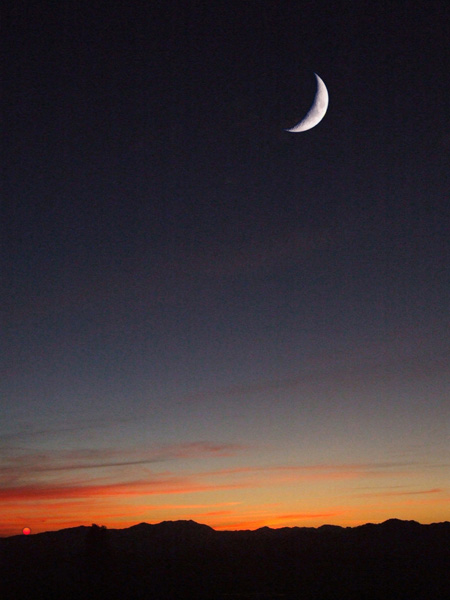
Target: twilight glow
{"x":206,"y":317}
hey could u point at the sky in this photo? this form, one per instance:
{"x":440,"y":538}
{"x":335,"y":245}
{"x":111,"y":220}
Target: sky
{"x":205,"y":316}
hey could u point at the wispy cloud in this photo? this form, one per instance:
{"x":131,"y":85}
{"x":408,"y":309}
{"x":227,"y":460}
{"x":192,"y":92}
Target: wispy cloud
{"x":402,"y":493}
{"x":160,"y":485}
{"x":58,"y":489}
{"x":274,"y":520}
{"x":173,"y":483}
{"x":23,"y":464}
{"x":316,"y":471}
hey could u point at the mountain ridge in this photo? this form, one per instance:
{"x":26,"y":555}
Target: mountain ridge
{"x":392,"y":522}
{"x":185,"y":560}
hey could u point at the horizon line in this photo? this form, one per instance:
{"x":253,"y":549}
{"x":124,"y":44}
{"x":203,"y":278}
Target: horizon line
{"x":220,"y":530}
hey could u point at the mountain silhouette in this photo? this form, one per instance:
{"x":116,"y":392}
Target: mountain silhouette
{"x":183,"y":560}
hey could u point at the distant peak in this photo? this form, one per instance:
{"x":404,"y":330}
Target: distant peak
{"x":185,"y":524}
{"x":399,"y":522}
{"x":142,"y":525}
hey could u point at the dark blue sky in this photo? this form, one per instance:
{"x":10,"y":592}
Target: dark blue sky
{"x":177,"y":268}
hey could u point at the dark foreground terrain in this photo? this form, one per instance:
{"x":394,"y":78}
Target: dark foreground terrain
{"x":399,"y":560}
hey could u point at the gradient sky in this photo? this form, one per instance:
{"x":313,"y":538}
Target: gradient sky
{"x":207,"y":317}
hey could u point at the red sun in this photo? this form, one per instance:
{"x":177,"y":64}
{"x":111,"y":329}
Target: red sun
{"x":26,"y":531}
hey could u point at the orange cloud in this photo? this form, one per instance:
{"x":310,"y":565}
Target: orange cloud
{"x":317,"y":472}
{"x":260,"y":518}
{"x":402,"y":493}
{"x":169,"y":483}
{"x":158,"y":484}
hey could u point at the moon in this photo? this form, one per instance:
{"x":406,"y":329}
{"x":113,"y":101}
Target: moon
{"x":317,"y":111}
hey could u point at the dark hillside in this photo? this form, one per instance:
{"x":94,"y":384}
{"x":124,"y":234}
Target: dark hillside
{"x":184,"y":560}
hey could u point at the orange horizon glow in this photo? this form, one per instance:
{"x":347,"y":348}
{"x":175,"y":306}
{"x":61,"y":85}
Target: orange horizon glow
{"x":120,"y":488}
{"x":273,"y":522}
{"x":119,"y":506}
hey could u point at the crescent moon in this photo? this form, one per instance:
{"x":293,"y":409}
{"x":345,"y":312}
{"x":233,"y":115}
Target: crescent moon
{"x":317,"y":111}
